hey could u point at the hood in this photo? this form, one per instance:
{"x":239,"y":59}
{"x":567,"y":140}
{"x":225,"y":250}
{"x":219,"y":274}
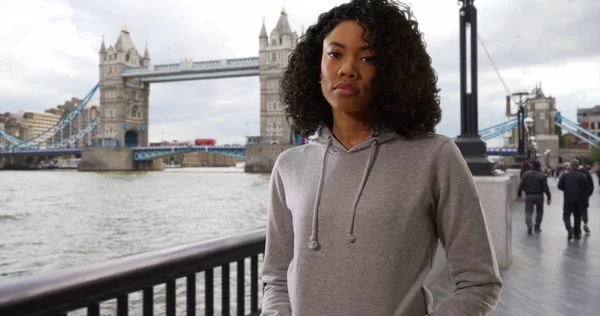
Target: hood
{"x":331,"y":145}
{"x":325,"y":133}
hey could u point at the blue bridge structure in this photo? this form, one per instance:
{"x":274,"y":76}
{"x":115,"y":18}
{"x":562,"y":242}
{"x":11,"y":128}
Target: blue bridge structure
{"x":151,"y":153}
{"x":50,"y":143}
{"x":124,"y":83}
{"x":52,"y":139}
{"x":46,"y":144}
{"x":139,"y":153}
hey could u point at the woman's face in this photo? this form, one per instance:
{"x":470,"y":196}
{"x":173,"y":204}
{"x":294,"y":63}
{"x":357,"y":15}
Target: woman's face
{"x":347,"y":68}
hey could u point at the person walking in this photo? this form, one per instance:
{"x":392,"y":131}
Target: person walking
{"x":586,"y":202}
{"x":575,"y":189}
{"x":535,"y":184}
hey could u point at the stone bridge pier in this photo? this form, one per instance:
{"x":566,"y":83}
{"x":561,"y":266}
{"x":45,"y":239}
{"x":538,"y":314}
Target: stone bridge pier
{"x":115,"y":159}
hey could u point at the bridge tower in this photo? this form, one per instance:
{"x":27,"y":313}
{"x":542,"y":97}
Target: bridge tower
{"x":123,"y":101}
{"x":274,"y":51}
{"x":542,"y":109}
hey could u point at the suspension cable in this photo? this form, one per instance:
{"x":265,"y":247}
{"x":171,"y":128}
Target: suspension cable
{"x":493,"y":64}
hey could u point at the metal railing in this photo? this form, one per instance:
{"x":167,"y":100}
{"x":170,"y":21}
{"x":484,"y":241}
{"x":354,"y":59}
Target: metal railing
{"x":86,"y":287}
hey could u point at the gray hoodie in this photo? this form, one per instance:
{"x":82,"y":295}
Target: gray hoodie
{"x":355,"y":232}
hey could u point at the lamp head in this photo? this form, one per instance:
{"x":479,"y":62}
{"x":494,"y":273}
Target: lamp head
{"x":528,"y":121}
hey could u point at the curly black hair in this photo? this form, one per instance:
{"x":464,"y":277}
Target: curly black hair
{"x":405,"y":93}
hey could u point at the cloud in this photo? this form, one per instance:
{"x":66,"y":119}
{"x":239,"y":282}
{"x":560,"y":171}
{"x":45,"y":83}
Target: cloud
{"x":50,"y":54}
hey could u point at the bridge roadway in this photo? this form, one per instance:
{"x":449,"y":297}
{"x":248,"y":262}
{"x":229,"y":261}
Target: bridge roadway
{"x":150,"y":153}
{"x":140,"y":153}
{"x":549,"y":275}
{"x":195,"y":70}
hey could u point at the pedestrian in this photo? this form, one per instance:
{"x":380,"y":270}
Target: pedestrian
{"x":575,"y":189}
{"x":586,"y":203}
{"x":354,"y":217}
{"x":535,"y":184}
{"x":525,"y":166}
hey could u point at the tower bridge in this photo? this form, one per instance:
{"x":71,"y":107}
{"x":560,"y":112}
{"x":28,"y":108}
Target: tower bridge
{"x":125,"y":77}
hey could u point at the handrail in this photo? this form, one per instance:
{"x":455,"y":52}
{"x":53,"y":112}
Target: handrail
{"x":77,"y":287}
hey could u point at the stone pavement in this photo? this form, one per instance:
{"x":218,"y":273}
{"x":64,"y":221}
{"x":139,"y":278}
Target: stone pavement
{"x":550,"y":275}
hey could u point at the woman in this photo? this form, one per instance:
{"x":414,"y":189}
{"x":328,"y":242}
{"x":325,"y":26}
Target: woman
{"x":354,"y":217}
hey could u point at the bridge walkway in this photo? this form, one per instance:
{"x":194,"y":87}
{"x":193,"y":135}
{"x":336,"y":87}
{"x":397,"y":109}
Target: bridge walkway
{"x":549,"y":275}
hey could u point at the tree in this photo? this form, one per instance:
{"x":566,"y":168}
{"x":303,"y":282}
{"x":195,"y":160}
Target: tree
{"x":595,"y":155}
{"x":561,"y":137}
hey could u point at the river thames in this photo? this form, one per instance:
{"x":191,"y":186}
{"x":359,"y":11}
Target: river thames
{"x":51,"y":219}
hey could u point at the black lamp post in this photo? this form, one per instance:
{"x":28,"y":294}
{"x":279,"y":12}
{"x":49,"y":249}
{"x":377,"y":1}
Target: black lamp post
{"x":531,"y":140}
{"x":472,"y":147}
{"x":521,"y":125}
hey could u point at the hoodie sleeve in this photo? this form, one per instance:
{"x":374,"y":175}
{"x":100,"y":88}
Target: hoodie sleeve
{"x":279,"y":250}
{"x":463,"y":232}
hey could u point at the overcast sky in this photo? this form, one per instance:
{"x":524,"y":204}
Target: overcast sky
{"x":49,"y":53}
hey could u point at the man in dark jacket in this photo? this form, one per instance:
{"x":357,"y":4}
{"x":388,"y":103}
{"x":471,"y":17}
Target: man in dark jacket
{"x":586,"y":202}
{"x":575,"y":186}
{"x":535,"y":184}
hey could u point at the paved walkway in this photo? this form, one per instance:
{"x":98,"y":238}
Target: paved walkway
{"x":550,"y":275}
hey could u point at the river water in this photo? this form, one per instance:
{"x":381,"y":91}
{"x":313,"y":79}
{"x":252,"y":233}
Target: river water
{"x":52,"y":219}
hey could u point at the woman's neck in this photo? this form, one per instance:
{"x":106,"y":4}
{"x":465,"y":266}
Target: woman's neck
{"x":349,"y":130}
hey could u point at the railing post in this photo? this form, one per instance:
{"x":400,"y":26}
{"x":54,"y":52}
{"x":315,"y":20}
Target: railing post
{"x":209,"y":297}
{"x":241,"y":298}
{"x":225,"y":290}
{"x":148,"y":301}
{"x":191,"y":295}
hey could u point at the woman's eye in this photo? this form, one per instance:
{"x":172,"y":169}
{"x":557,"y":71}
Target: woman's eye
{"x":334,"y":54}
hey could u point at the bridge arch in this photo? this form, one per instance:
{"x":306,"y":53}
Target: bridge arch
{"x":131,"y":139}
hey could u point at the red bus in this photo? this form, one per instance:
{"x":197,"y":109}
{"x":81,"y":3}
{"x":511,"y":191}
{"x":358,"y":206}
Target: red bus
{"x":205,"y":142}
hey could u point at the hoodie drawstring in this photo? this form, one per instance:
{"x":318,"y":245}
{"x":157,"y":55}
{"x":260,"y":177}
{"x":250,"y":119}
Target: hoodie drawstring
{"x":361,"y":186}
{"x":314,"y":239}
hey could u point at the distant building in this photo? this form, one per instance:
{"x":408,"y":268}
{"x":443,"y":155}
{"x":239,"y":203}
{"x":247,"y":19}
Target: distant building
{"x":27,"y":125}
{"x":542,"y":109}
{"x":274,"y":50}
{"x":4,"y":117}
{"x":89,"y":112}
{"x":124,"y":101}
{"x":38,"y":122}
{"x":589,"y":118}
{"x":15,"y":126}
{"x":572,"y":142}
